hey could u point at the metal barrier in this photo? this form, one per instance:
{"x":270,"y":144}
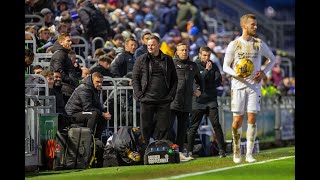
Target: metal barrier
{"x":42,"y":57}
{"x":82,"y":48}
{"x":31,"y":44}
{"x":30,"y":20}
{"x":286,"y":63}
{"x":33,"y":148}
{"x":34,"y":85}
{"x":274,"y":121}
{"x":93,"y":44}
{"x":81,"y":61}
{"x":119,"y":97}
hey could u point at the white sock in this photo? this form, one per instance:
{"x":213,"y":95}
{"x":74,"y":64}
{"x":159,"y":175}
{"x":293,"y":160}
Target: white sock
{"x":251,"y":135}
{"x":236,"y":135}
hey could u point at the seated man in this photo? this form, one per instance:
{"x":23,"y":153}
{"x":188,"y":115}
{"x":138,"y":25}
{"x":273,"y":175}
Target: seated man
{"x":85,"y":106}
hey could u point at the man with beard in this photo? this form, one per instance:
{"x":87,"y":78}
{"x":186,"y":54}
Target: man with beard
{"x":63,"y":120}
{"x":85,"y":106}
{"x":245,"y":83}
{"x":206,"y":103}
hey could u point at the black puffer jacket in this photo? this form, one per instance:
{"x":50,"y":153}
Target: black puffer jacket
{"x":142,"y":71}
{"x":85,"y":98}
{"x":61,"y":62}
{"x":187,"y":72}
{"x":211,"y":80}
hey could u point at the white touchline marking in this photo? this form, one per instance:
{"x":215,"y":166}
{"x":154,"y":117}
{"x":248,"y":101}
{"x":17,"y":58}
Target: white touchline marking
{"x":222,"y":169}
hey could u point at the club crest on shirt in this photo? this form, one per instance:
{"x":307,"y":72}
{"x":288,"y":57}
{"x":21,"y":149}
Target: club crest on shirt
{"x":256,"y":44}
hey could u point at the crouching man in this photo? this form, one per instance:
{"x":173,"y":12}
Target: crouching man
{"x":85,"y":106}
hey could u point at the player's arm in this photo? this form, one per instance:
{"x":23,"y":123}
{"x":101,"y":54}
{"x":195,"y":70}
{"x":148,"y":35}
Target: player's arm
{"x":228,"y":59}
{"x":266,"y":52}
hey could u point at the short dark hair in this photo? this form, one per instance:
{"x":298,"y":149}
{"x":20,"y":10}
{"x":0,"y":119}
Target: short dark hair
{"x":37,"y":67}
{"x":106,"y":58}
{"x":204,"y":48}
{"x":154,"y":37}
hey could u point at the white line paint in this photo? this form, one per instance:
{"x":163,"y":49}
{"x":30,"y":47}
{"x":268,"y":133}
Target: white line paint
{"x":221,"y":169}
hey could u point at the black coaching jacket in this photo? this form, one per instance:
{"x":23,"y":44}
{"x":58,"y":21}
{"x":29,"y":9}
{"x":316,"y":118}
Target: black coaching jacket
{"x":142,"y":71}
{"x":188,"y":73}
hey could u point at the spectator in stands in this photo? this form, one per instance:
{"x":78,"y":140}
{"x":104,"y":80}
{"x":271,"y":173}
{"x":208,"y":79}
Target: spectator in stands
{"x":47,"y":15}
{"x":186,"y":12}
{"x":268,"y":89}
{"x":154,"y":81}
{"x":197,"y":40}
{"x":38,"y":80}
{"x":123,"y":62}
{"x":85,"y":106}
{"x":168,"y":46}
{"x":61,"y":62}
{"x":37,"y":69}
{"x":28,"y":57}
{"x":30,"y":29}
{"x":287,"y":86}
{"x":207,"y":102}
{"x":62,"y":5}
{"x":276,"y":74}
{"x":188,"y":73}
{"x":93,"y":21}
{"x":246,"y":90}
{"x":143,"y":48}
{"x":44,"y":36}
{"x":104,"y":65}
{"x":85,"y":72}
{"x":166,"y":17}
{"x":116,"y":43}
{"x":73,"y":56}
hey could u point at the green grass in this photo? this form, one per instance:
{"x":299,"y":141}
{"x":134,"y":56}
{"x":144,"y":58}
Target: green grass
{"x":280,"y":169}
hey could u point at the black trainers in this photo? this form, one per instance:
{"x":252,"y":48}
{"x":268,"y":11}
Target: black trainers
{"x":222,"y":154}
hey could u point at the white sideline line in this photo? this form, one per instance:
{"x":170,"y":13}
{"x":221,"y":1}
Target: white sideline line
{"x":222,"y":169}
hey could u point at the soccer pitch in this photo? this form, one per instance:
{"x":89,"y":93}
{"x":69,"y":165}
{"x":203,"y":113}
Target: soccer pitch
{"x":272,"y":164}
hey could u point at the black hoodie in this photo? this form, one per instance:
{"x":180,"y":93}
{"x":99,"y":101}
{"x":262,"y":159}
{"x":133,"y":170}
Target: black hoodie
{"x":61,"y":62}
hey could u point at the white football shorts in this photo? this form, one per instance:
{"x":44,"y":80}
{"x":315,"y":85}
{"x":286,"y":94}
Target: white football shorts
{"x":245,"y":100}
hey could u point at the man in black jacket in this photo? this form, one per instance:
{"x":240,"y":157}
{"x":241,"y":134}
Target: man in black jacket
{"x":188,"y":73}
{"x":60,"y":61}
{"x":154,"y":81}
{"x":124,"y":61}
{"x":207,"y":102}
{"x":85,"y":106}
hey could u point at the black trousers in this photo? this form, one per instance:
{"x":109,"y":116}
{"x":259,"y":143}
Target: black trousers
{"x":154,"y":121}
{"x":196,"y":118}
{"x":182,"y":122}
{"x":90,"y":120}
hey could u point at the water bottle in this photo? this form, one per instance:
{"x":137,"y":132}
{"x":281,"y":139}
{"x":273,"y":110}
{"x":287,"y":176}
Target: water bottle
{"x":164,"y":148}
{"x":158,"y":149}
{"x":151,"y":149}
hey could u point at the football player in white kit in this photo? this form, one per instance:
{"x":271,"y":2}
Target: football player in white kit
{"x":246,"y":84}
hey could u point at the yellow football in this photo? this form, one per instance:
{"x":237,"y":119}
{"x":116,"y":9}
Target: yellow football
{"x":244,"y":68}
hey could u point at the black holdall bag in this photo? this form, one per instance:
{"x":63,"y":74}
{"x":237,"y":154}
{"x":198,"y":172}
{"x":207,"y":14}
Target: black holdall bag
{"x":73,"y":148}
{"x":161,"y":152}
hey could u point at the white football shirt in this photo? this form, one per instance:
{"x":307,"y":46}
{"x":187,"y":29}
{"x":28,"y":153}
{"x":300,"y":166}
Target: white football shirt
{"x":251,"y":50}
